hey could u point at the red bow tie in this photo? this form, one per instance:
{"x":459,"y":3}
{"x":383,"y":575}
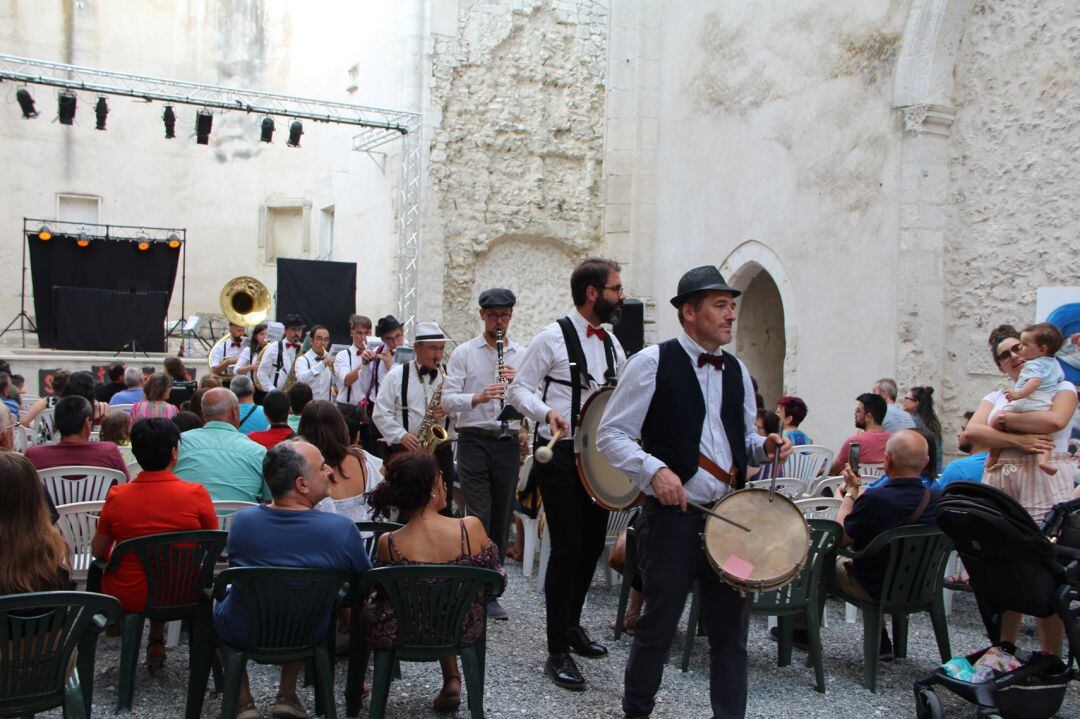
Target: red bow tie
{"x":291,"y":346}
{"x":598,"y":331}
{"x":237,"y":343}
{"x":716,"y":361}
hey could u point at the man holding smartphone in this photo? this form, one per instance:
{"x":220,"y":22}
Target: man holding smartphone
{"x":869,"y":414}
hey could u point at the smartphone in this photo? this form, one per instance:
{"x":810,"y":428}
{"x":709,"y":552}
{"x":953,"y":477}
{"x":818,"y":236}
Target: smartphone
{"x":853,"y":457}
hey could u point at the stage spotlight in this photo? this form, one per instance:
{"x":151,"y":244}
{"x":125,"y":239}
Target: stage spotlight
{"x":174,"y":241}
{"x":82,"y":240}
{"x":203,"y":122}
{"x":66,"y":109}
{"x":44,"y":234}
{"x":26,"y":102}
{"x":143,"y":245}
{"x":267,"y":129}
{"x":101,"y":110}
{"x":170,"y":122}
{"x":295,"y":131}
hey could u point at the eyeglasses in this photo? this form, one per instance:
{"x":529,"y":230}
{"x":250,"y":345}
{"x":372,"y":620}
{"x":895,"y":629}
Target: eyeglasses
{"x":1014,"y":350}
{"x":910,"y":399}
{"x":618,"y":289}
{"x":505,"y":315}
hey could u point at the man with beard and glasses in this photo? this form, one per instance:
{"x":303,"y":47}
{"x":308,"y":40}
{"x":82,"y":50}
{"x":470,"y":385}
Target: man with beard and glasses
{"x":869,"y":415}
{"x":564,"y":365}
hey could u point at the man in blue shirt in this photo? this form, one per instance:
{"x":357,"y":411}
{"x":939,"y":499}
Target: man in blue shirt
{"x":287,"y":533}
{"x":252,"y":416}
{"x":965,"y":469}
{"x":133,"y":391}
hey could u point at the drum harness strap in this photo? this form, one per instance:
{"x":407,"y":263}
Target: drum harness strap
{"x":578,"y":366}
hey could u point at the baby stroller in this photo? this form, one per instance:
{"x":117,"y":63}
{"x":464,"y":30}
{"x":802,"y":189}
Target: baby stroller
{"x":1013,"y":565}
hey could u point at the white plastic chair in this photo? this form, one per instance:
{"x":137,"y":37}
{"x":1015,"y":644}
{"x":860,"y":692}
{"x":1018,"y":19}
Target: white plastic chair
{"x":43,"y":430}
{"x":807,"y":462}
{"x":875,"y":471}
{"x":826,"y":487}
{"x":78,"y":524}
{"x":26,"y":401}
{"x":122,"y":407}
{"x":225,"y":509}
{"x":788,"y":486}
{"x":20,"y":438}
{"x":67,"y":485}
{"x":617,"y":522}
{"x":819,"y":507}
{"x":529,"y":525}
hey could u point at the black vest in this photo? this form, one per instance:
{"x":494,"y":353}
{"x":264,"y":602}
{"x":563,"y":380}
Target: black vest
{"x":671,"y":431}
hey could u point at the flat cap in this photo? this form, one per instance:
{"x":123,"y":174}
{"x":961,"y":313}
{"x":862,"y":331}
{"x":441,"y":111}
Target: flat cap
{"x":497,"y":297}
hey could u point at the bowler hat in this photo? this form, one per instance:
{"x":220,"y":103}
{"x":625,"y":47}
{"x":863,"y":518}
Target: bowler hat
{"x":294,"y":320}
{"x":702,"y":279}
{"x":386,"y":325}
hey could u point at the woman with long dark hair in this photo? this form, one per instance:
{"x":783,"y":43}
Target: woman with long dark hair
{"x":919,"y":403}
{"x":355,"y":472}
{"x":35,"y":555}
{"x":414,"y":487}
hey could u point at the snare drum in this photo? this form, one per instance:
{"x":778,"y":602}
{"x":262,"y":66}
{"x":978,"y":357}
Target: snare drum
{"x":768,"y":556}
{"x":608,"y":487}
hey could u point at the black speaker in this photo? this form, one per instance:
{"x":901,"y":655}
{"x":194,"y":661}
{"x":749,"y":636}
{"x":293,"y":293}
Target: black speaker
{"x":631,"y":326}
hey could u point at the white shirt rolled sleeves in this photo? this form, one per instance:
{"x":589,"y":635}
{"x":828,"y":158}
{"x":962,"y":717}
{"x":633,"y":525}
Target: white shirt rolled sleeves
{"x":387,"y":412}
{"x":472,"y":367}
{"x":625,"y":414}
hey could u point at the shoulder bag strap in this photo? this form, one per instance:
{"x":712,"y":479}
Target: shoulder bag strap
{"x":920,"y":509}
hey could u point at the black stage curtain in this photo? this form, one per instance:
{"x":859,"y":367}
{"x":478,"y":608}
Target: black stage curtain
{"x":136,"y":286}
{"x":323,"y":293}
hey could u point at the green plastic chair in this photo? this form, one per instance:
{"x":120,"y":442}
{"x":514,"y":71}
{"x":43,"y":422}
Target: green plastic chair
{"x":630,"y":572}
{"x":430,"y":602}
{"x":286,"y":607}
{"x":914,"y":578}
{"x":377,"y":529}
{"x":179,"y":568}
{"x":39,"y":634}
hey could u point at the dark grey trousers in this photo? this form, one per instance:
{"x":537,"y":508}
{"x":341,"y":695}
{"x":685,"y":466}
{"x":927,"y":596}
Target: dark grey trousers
{"x":487,"y":469}
{"x":671,"y":557}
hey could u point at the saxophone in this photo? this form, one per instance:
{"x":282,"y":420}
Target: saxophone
{"x":430,"y":433}
{"x":290,"y":379}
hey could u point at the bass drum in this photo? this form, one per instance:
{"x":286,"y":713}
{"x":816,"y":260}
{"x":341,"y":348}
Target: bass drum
{"x":769,"y":555}
{"x":608,"y":487}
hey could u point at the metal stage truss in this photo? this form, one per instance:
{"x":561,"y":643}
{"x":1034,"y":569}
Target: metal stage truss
{"x":378,"y":126}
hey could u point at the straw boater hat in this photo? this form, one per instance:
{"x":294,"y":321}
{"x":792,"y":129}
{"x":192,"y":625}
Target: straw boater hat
{"x":429,"y":332}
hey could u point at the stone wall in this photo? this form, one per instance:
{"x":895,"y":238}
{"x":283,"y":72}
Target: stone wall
{"x":514,"y":194}
{"x":1014,"y":212}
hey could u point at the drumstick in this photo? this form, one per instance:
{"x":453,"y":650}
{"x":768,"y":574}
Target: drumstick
{"x":711,"y":513}
{"x":544,"y":454}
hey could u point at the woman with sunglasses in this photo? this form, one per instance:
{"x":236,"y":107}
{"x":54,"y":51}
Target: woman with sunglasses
{"x":1019,"y":476}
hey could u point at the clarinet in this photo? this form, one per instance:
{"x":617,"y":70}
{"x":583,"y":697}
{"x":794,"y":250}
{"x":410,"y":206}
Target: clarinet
{"x":504,"y":425}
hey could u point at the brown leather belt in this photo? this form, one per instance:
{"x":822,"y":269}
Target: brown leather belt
{"x":714,"y":469}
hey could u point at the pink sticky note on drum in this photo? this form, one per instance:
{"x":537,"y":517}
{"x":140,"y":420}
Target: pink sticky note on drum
{"x":738,"y":567}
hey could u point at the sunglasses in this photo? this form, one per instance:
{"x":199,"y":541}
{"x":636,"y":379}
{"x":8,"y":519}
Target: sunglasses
{"x":1014,"y":350}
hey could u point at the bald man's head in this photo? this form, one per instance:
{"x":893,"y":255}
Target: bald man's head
{"x":220,"y":404}
{"x":906,"y":454}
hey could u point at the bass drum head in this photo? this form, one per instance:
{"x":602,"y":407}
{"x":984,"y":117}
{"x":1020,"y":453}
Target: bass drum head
{"x":770,"y":554}
{"x":609,"y":488}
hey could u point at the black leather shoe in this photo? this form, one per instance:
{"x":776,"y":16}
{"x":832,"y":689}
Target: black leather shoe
{"x":563,"y":671}
{"x":585,"y":647}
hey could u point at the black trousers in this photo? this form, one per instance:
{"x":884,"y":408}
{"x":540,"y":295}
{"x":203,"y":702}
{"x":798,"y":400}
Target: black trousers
{"x":444,"y":455}
{"x":487,"y":471}
{"x":671,"y":557}
{"x":578,"y":528}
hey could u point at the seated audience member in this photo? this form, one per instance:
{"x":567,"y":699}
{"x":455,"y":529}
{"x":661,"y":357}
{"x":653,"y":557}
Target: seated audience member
{"x":7,"y":431}
{"x":919,"y":403}
{"x":896,"y":418}
{"x":133,"y":388}
{"x":59,"y":382}
{"x":286,"y":533}
{"x":81,"y":384}
{"x":105,"y":391}
{"x":218,"y":456}
{"x":156,"y":399}
{"x":116,"y":428}
{"x":186,"y":420}
{"x":414,"y":487}
{"x":252,"y":416}
{"x":19,"y":383}
{"x":869,"y":414}
{"x":965,"y":469}
{"x":354,"y":420}
{"x":181,"y":388}
{"x":71,"y":417}
{"x":354,"y":472}
{"x":299,"y":396}
{"x":34,"y":556}
{"x":9,"y":402}
{"x":792,"y":412}
{"x":276,"y":408}
{"x":766,"y":423}
{"x":156,"y":501}
{"x":209,"y":381}
{"x":195,"y":403}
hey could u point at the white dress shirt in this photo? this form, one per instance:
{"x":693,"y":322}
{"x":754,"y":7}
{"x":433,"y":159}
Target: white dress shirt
{"x":245,"y":359}
{"x":224,"y":350}
{"x":620,"y":427}
{"x":346,"y":361}
{"x":313,"y":372}
{"x":266,"y":369}
{"x":387,"y":412}
{"x":472,"y":368}
{"x":546,"y":357}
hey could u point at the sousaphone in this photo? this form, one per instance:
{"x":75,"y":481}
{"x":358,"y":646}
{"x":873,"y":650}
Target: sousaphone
{"x":244,"y":301}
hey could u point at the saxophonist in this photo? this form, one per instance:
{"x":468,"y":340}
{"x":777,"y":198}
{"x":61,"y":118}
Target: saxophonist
{"x":488,"y":449}
{"x":277,"y":360}
{"x":315,"y":368}
{"x":405,"y":398}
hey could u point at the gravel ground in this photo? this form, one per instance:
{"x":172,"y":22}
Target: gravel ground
{"x":516,"y":687}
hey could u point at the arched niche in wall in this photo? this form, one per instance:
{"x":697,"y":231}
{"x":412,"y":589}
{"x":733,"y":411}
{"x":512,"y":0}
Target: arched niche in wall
{"x":765,"y":332}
